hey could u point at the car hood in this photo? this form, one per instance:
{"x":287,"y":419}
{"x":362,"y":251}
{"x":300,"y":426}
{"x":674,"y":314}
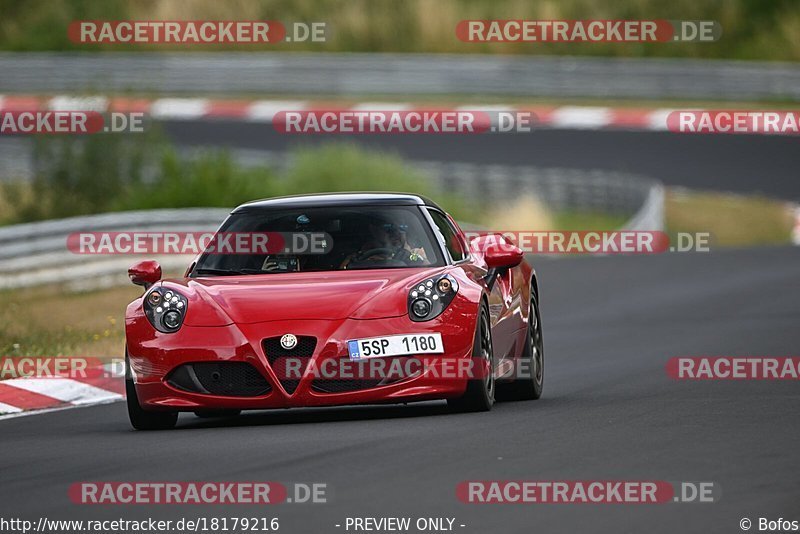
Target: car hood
{"x":361,"y":294}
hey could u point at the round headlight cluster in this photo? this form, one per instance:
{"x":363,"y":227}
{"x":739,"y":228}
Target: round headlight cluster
{"x":165,"y":309}
{"x":429,"y":298}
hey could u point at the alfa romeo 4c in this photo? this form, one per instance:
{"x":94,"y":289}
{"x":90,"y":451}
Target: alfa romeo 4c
{"x":357,"y":298}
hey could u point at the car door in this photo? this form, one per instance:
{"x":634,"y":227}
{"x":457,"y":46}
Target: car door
{"x":502,"y":321}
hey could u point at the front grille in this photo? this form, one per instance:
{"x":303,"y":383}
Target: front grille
{"x":289,"y":364}
{"x":363,"y":378}
{"x":229,"y":379}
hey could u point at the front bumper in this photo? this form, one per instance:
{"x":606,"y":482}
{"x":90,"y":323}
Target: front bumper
{"x":154,"y":356}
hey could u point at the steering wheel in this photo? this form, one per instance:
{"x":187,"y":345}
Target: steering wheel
{"x":383,"y":251}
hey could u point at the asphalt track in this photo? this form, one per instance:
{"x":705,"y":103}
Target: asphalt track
{"x":609,"y":409}
{"x":766,"y":164}
{"x":609,"y":412}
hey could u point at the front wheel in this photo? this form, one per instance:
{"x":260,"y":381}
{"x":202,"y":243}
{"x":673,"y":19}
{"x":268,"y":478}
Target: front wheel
{"x":531,"y":365}
{"x":479,"y":396}
{"x":140,"y":418}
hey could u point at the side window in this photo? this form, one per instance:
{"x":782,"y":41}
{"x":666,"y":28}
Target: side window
{"x":449,"y":236}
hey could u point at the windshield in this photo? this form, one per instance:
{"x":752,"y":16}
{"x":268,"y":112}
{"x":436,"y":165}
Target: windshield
{"x":327,"y":239}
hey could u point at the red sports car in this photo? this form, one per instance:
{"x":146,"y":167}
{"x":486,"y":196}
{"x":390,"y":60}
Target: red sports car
{"x":392,"y":305}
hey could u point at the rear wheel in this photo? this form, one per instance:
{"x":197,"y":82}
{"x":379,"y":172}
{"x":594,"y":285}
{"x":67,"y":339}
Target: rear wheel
{"x":531,"y":365}
{"x":479,"y":396}
{"x":140,"y":418}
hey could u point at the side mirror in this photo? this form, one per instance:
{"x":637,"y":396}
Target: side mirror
{"x":498,"y":257}
{"x":503,"y":256}
{"x":145,"y":273}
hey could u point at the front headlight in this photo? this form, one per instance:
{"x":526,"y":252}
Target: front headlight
{"x":165,"y":309}
{"x":429,"y":298}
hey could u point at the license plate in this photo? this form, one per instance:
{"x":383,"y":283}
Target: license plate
{"x":402,"y":345}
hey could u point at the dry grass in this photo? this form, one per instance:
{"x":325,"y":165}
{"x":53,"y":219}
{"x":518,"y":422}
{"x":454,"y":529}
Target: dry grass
{"x":6,"y":207}
{"x":14,"y":194}
{"x":732,"y":220}
{"x":752,"y":29}
{"x":48,"y":321}
{"x":527,"y":213}
{"x":530,"y":214}
{"x":195,"y":9}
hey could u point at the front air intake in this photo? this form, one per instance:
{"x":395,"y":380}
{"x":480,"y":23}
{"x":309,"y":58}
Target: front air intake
{"x":289,"y":364}
{"x":227,"y":379}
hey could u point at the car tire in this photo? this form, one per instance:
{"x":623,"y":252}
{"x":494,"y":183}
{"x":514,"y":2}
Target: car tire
{"x":209,"y":414}
{"x":479,"y":396}
{"x":532,"y":360}
{"x":140,"y":418}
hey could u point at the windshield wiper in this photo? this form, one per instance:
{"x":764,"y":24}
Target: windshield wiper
{"x":228,"y":272}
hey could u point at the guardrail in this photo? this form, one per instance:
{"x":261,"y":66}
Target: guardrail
{"x":395,"y":74}
{"x":36,"y":253}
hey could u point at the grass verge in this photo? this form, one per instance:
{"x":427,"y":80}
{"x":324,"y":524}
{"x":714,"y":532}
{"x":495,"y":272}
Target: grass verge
{"x":49,"y":321}
{"x":732,"y":220}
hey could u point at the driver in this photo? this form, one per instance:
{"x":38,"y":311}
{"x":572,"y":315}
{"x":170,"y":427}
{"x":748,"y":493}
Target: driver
{"x":387,"y":241}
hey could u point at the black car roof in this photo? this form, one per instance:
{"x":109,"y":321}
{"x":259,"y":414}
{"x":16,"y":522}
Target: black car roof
{"x":323,"y":200}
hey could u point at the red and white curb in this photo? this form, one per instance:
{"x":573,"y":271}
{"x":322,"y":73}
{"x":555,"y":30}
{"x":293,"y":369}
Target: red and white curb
{"x":26,"y":396}
{"x":558,"y":117}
